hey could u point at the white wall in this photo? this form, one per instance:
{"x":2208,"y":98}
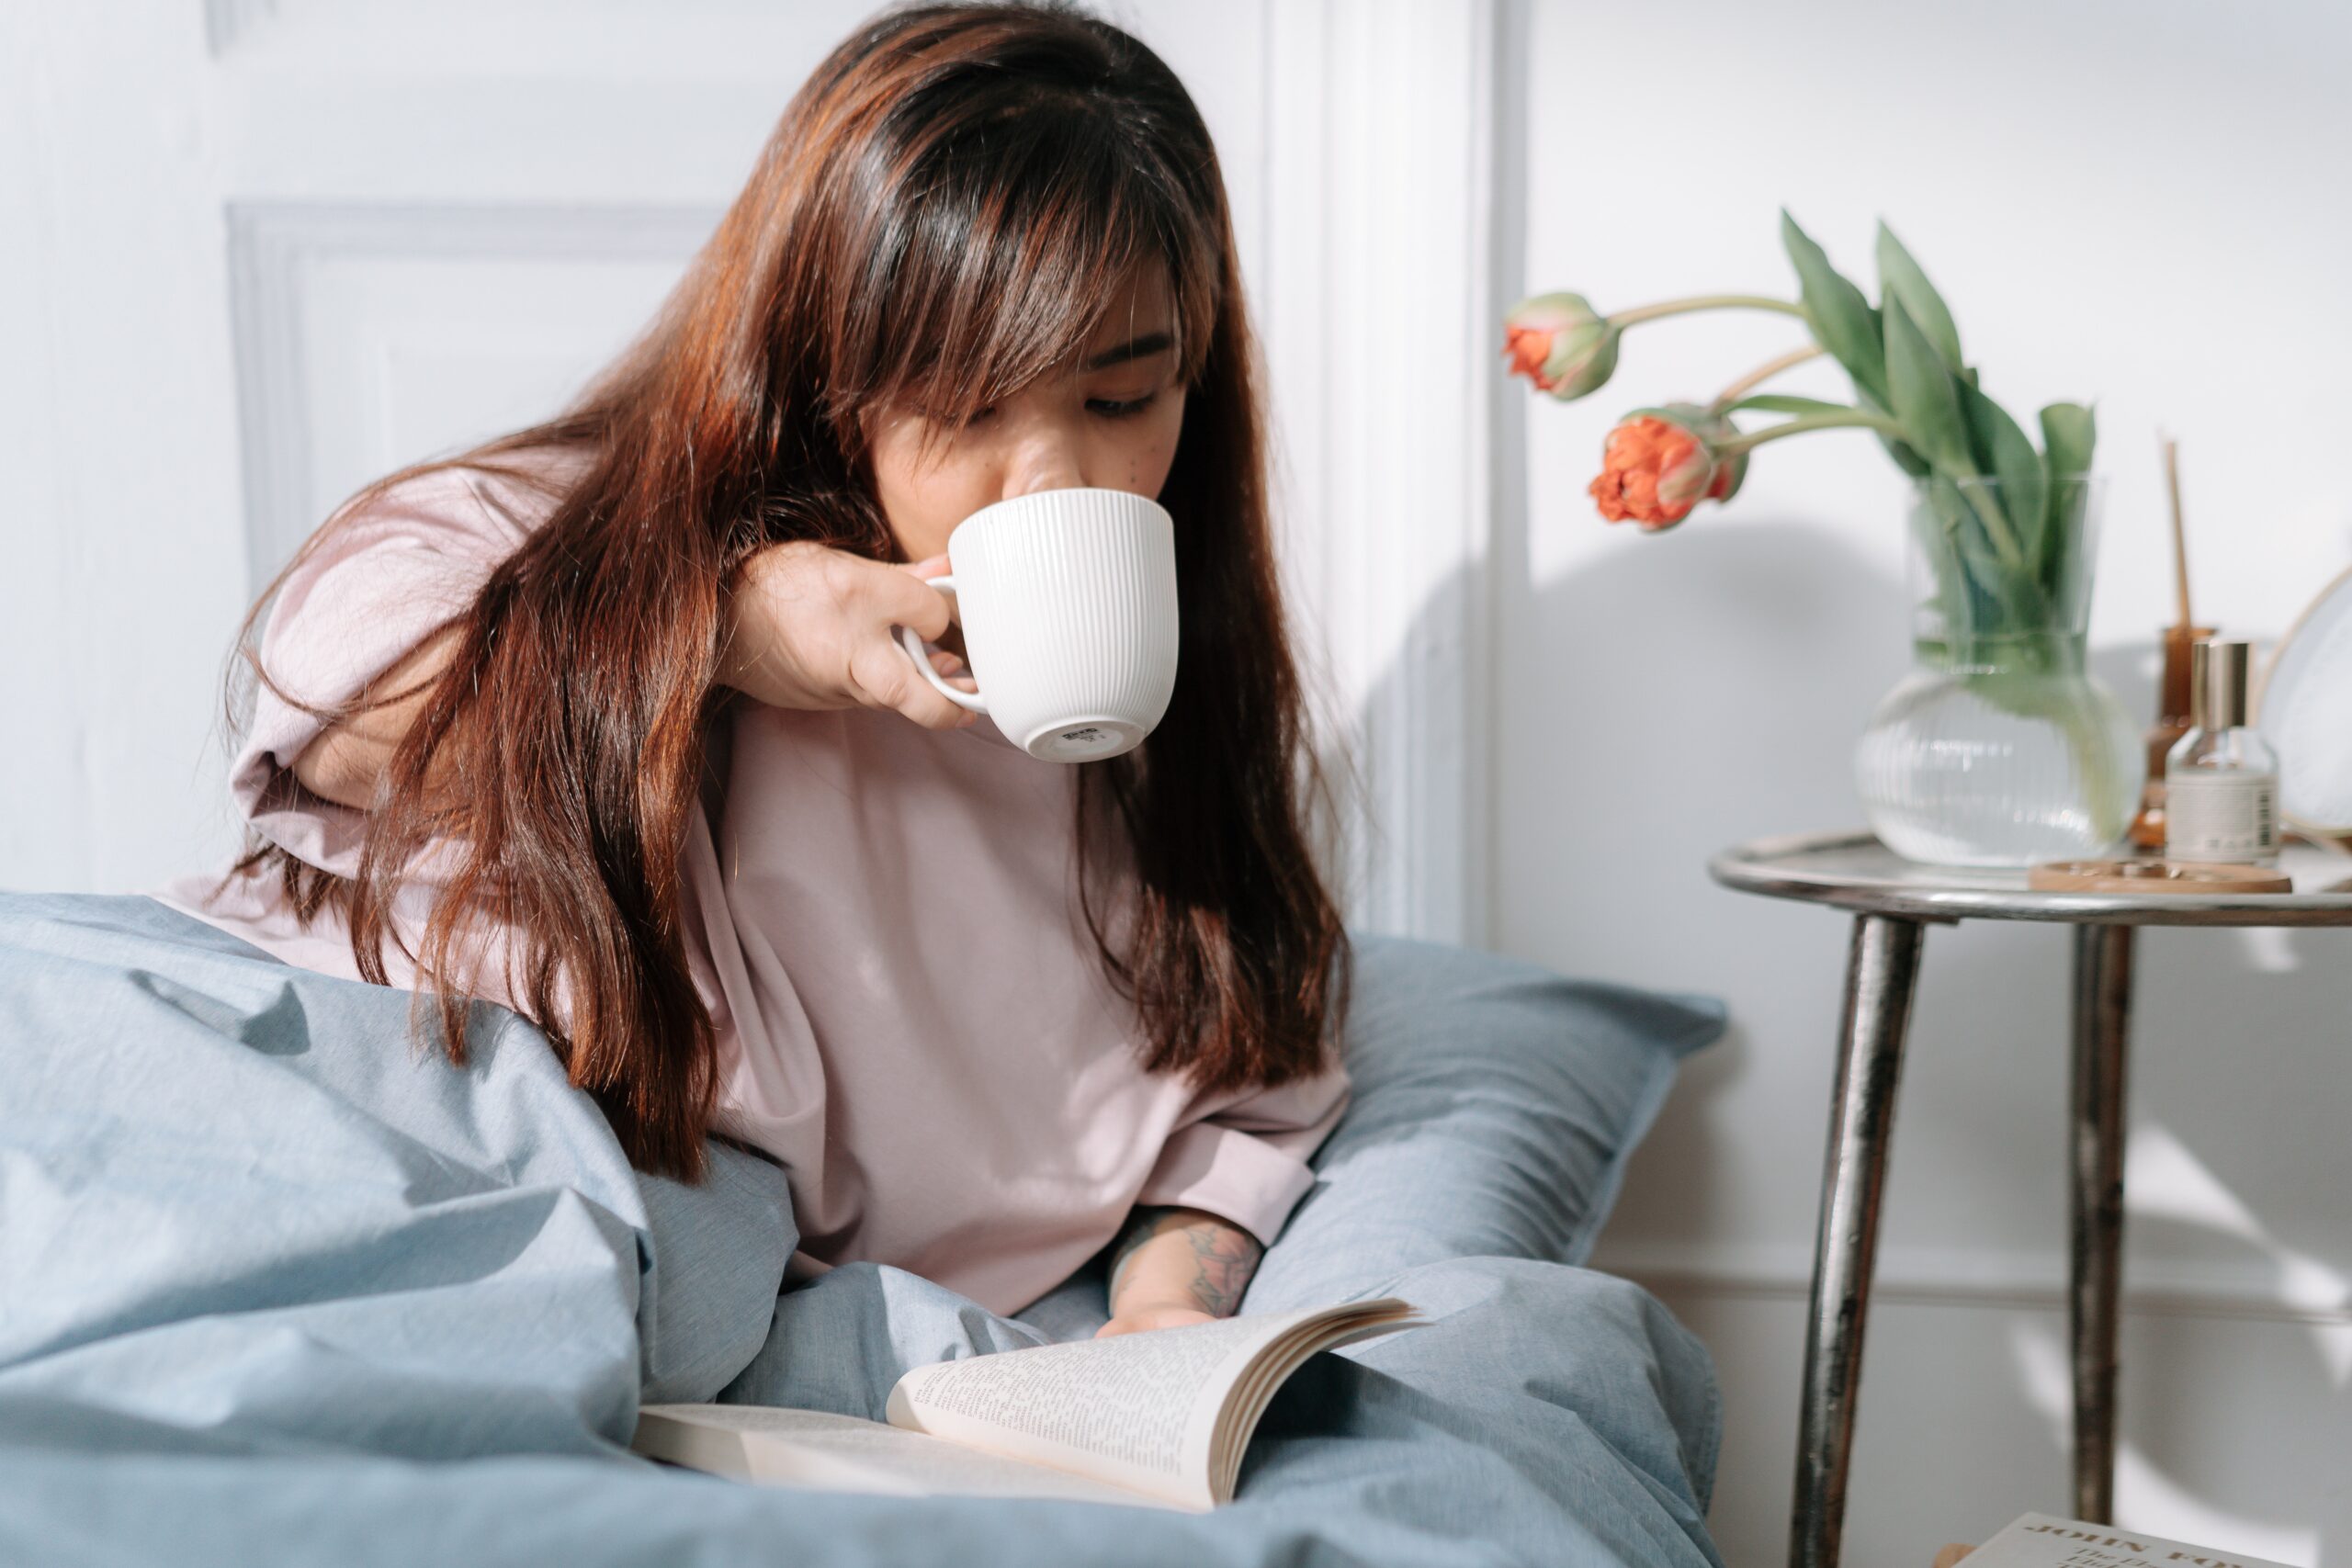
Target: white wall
{"x":253,"y":251}
{"x":2138,"y":203}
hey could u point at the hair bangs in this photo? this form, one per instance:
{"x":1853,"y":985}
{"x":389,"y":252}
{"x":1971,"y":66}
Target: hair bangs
{"x":1002,"y":259}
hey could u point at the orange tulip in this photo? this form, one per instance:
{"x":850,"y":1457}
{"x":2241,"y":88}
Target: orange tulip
{"x":1658,"y":464}
{"x":1558,"y":342}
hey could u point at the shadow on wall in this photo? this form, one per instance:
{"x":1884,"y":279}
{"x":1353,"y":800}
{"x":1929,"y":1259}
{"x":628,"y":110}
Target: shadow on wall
{"x":1668,"y":697}
{"x":1672,"y":696}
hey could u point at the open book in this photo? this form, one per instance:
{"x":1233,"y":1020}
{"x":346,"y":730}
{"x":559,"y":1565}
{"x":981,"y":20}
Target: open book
{"x":1158,"y":1417}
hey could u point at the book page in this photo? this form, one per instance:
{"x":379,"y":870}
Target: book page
{"x":1255,"y":1385}
{"x":840,"y":1454}
{"x":2043,"y":1540}
{"x":1136,"y":1410}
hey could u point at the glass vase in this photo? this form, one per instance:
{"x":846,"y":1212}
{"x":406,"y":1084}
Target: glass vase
{"x":1999,"y":748}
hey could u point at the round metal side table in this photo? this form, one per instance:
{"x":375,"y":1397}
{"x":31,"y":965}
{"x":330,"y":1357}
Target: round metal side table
{"x":1892,"y":901}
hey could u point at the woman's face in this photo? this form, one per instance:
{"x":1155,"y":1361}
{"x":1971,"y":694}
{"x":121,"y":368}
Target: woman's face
{"x":1108,"y":420}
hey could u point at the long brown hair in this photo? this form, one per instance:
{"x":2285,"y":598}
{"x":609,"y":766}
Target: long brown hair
{"x":940,"y":216}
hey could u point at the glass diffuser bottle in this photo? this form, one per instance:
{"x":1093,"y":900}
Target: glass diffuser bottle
{"x":2221,"y":778}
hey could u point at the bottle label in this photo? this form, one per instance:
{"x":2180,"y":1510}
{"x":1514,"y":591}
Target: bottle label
{"x":2221,"y":817}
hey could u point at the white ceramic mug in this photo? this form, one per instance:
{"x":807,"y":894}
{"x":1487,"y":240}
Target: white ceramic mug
{"x":1067,"y":601}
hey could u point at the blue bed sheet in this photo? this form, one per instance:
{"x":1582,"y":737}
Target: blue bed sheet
{"x":277,"y":1286}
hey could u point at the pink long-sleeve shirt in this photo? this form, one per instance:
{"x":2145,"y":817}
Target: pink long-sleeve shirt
{"x":882,"y":919}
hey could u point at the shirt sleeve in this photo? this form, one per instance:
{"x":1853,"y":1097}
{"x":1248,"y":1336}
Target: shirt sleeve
{"x":1246,"y":1161}
{"x":383,"y":579}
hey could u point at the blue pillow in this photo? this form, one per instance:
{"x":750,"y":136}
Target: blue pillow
{"x":1495,"y":1105}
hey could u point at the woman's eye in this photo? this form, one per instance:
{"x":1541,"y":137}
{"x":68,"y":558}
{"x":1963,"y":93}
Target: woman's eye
{"x":1115,"y":409}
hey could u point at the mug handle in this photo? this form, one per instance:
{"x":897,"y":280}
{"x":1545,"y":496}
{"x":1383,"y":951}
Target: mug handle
{"x":945,"y":584}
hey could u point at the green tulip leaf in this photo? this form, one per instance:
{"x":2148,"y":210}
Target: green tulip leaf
{"x":1841,"y":315}
{"x":2006,"y":451}
{"x":1938,"y":525}
{"x":1900,"y":279}
{"x":1971,"y":596}
{"x":1926,"y":396}
{"x":1909,"y":461}
{"x":2069,"y":432}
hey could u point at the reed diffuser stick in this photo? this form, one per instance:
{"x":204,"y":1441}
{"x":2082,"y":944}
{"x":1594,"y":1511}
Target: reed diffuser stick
{"x":2180,"y":536}
{"x":2174,"y":704}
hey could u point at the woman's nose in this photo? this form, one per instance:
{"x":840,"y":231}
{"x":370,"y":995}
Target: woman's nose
{"x":1048,"y":461}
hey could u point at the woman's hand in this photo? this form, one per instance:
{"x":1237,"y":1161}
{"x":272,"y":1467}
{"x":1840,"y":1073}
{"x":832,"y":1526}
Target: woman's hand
{"x":1175,"y":1266}
{"x":1170,"y":1314}
{"x":811,"y":627}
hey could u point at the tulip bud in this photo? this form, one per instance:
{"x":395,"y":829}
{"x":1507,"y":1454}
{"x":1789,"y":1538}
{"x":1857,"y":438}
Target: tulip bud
{"x":1659,"y":463}
{"x":1561,"y":344}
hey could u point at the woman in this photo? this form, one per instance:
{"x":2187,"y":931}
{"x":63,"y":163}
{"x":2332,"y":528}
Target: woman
{"x":603,"y":720}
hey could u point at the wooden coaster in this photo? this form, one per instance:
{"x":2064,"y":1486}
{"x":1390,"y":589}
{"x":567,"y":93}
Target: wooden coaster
{"x":2154,"y":876}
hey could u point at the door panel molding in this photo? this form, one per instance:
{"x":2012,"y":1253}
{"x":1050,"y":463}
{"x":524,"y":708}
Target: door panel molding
{"x":279,"y":253}
{"x":1382,"y":350}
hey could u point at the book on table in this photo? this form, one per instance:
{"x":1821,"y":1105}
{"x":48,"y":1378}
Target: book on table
{"x":1158,"y":1417}
{"x":2044,"y":1540}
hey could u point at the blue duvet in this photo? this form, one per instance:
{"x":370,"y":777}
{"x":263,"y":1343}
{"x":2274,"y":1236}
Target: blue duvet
{"x":276,"y":1286}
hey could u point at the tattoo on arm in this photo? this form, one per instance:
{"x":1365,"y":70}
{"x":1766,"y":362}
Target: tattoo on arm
{"x":1223,"y":1255}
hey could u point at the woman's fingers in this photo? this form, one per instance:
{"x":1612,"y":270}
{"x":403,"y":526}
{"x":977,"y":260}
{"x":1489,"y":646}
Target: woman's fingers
{"x":885,"y":678}
{"x":904,"y":601}
{"x":951,"y":669}
{"x":811,"y":627}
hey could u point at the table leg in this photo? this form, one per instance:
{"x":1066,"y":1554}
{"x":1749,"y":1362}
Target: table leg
{"x":2102,"y":1028}
{"x":1881,"y":976}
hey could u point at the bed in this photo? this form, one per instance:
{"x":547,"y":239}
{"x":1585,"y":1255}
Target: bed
{"x":277,"y":1285}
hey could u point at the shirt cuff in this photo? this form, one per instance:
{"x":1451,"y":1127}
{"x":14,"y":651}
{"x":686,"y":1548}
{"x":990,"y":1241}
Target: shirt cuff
{"x":1234,"y":1175}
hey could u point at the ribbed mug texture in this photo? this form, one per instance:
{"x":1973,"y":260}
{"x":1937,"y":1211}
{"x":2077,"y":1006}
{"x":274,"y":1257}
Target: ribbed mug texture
{"x":1068,"y":604}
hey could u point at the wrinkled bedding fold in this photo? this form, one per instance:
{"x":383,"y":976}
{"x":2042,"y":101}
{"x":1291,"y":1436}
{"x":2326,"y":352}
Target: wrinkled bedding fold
{"x":275,"y":1285}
